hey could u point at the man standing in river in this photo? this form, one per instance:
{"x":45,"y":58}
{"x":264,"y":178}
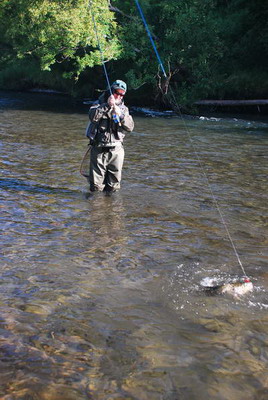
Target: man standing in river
{"x":110,"y":119}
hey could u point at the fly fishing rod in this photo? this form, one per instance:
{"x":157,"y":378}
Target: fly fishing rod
{"x":192,"y":143}
{"x":107,"y":80}
{"x":99,"y":47}
{"x":151,"y":38}
{"x":114,"y":115}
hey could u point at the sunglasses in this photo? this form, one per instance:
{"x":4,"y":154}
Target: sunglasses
{"x":119,"y":93}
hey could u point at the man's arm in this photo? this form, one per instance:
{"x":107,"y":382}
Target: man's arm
{"x":127,"y":122}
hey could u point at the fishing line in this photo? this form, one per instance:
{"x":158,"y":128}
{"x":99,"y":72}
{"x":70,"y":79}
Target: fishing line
{"x":213,"y":196}
{"x":192,"y":143}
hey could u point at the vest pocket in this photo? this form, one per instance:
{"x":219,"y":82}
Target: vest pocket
{"x":104,"y":134}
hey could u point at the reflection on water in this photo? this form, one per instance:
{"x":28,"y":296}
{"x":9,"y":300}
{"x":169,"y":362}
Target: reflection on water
{"x":100,"y":296}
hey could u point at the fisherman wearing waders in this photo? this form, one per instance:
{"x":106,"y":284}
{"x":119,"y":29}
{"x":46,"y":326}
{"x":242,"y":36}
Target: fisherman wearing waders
{"x":110,"y":119}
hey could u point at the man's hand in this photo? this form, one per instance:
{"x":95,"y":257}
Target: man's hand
{"x":111,"y":101}
{"x":117,"y":111}
{"x":114,"y":108}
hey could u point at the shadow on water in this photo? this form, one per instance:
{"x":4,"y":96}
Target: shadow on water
{"x":58,"y":103}
{"x":18,"y":185}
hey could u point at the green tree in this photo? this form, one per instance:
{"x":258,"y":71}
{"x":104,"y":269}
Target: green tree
{"x":57,"y":31}
{"x":186,"y":35}
{"x":216,"y":48}
{"x":244,"y":31}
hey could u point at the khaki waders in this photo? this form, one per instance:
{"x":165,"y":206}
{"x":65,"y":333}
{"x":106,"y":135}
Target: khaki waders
{"x":106,"y":165}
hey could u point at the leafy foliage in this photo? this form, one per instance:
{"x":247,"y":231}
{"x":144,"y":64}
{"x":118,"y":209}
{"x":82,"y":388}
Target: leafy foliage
{"x":210,"y":48}
{"x":187,"y":37}
{"x":57,"y":31}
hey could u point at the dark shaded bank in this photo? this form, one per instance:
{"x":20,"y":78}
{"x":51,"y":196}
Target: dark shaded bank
{"x":50,"y":100}
{"x":43,"y":101}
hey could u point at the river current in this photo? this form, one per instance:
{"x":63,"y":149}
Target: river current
{"x":101,"y":296}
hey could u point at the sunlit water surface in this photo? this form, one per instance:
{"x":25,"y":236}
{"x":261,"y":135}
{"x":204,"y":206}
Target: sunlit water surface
{"x":100,"y":296}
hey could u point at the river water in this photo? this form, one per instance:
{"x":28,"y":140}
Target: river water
{"x":101,"y":296}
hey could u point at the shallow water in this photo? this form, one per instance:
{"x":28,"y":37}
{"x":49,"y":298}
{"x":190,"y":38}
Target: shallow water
{"x":100,"y":296}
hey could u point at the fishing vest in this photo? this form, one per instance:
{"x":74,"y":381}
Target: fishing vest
{"x":102,"y":130}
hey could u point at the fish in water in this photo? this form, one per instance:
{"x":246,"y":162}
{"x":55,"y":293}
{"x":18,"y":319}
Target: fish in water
{"x":236,"y":288}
